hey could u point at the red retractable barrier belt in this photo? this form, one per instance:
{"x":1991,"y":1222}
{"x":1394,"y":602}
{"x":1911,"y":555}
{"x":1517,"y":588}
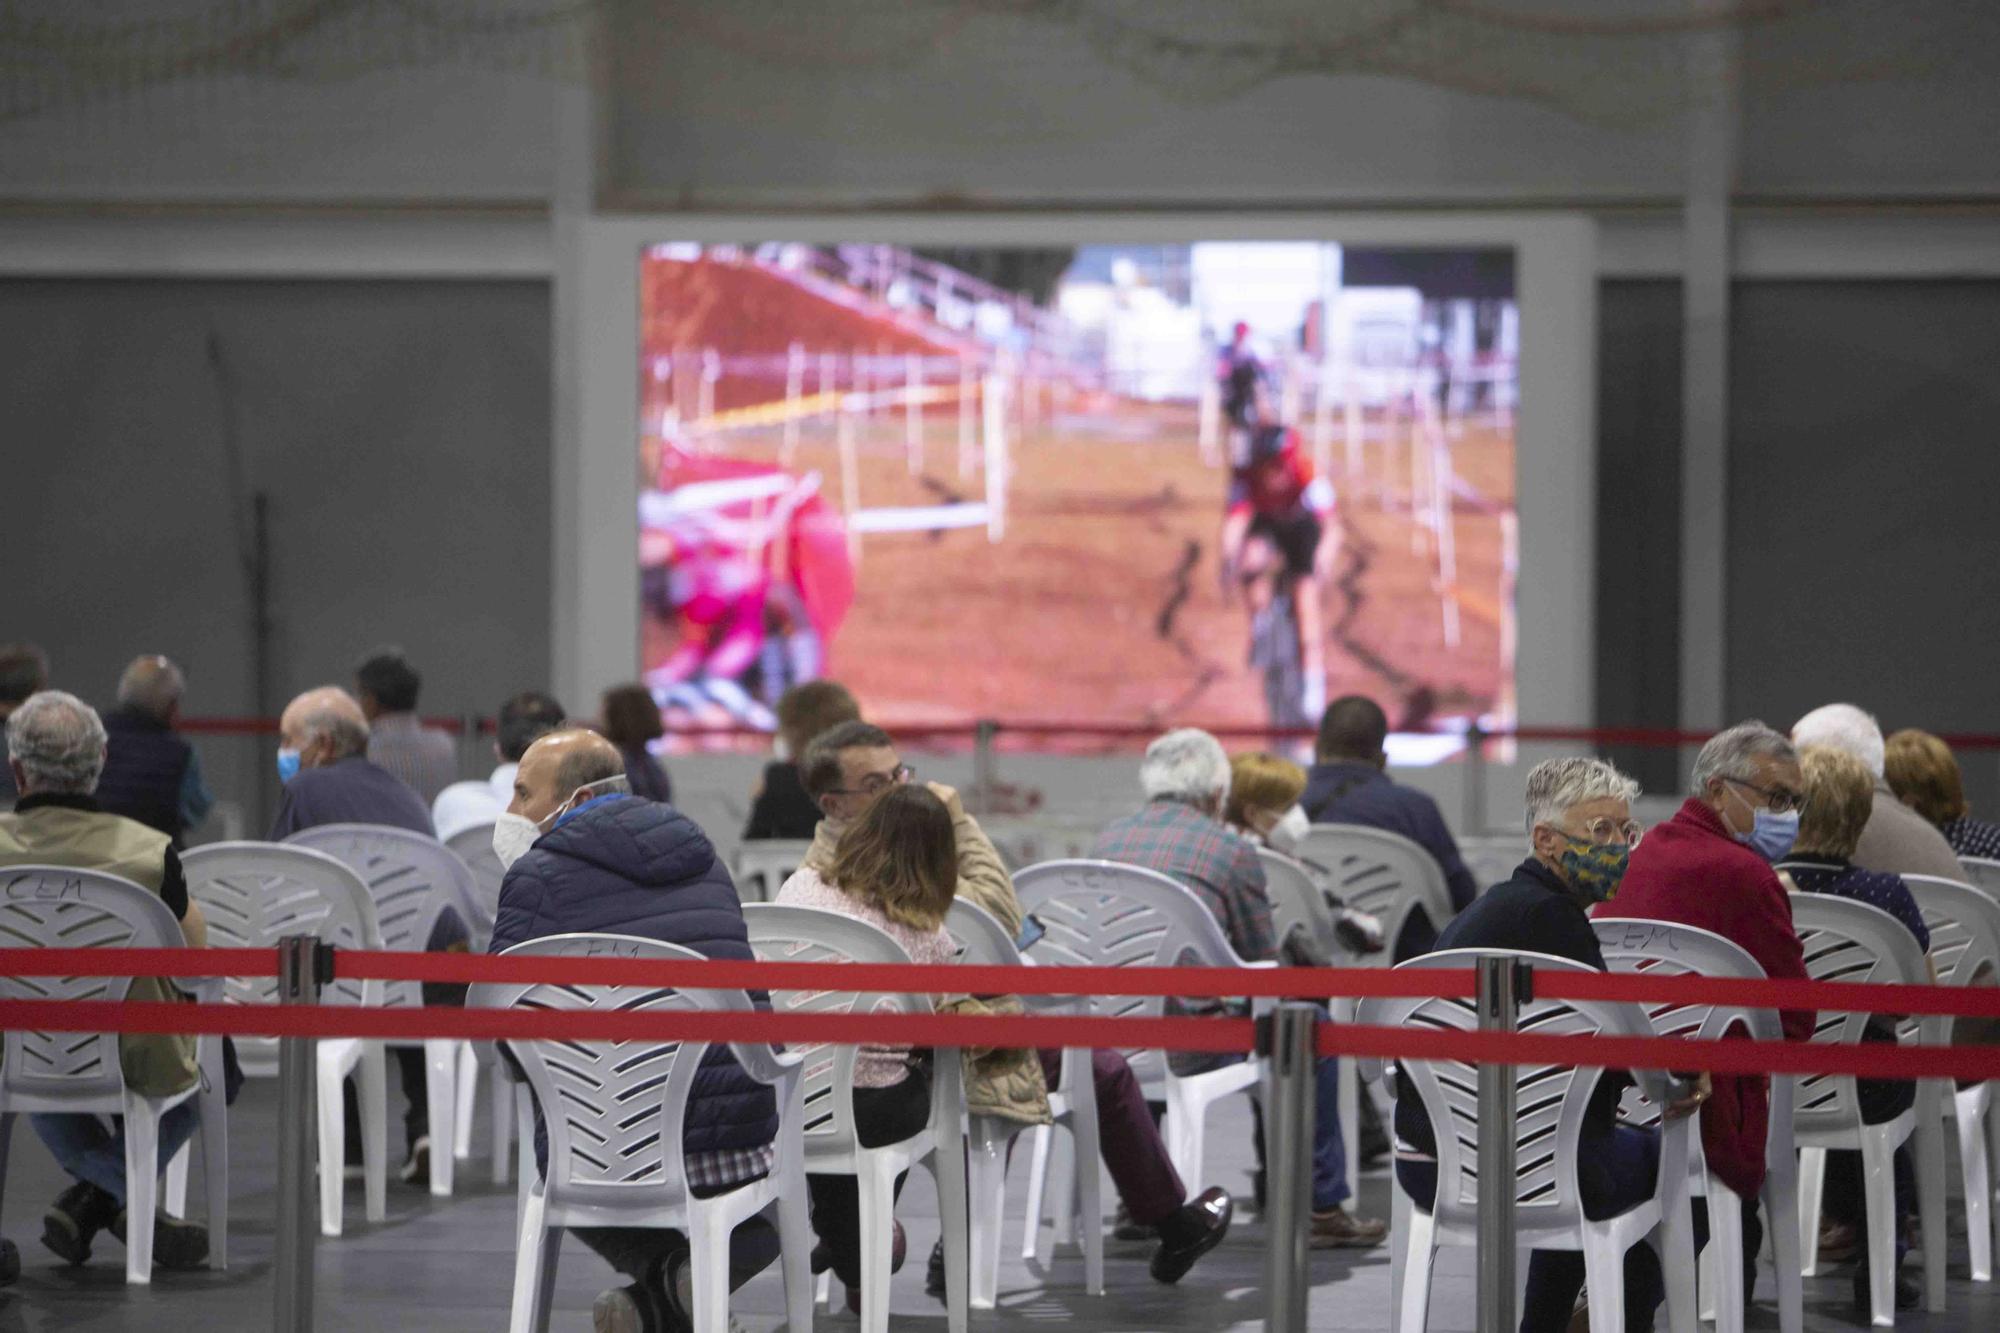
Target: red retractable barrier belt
{"x":138,"y":962}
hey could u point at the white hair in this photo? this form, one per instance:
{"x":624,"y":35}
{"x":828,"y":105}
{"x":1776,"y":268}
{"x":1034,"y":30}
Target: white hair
{"x":1845,"y":728}
{"x":58,"y":740}
{"x":1733,"y":754}
{"x":1557,"y":786}
{"x":1186,"y":765}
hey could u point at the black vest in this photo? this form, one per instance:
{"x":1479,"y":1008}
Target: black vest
{"x":143,"y":771}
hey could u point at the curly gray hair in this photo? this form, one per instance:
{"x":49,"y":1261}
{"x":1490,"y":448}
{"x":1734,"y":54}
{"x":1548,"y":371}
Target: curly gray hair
{"x":58,"y":740}
{"x":1556,"y":786}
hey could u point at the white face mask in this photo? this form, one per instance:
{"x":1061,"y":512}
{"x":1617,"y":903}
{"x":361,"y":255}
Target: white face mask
{"x":1290,"y":830}
{"x":513,"y":835}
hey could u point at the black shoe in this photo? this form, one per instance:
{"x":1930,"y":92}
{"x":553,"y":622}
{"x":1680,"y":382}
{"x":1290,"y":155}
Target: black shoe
{"x":179,"y":1246}
{"x":1908,"y":1293}
{"x":10,"y":1263}
{"x":1257,"y":1199}
{"x":934,"y":1272}
{"x":1124,"y":1228}
{"x":1197,"y":1227}
{"x":75,"y":1218}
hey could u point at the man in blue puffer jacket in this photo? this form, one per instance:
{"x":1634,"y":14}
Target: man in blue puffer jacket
{"x":583,"y":856}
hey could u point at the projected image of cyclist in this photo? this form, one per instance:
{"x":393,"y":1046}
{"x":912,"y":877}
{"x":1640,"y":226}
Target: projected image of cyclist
{"x":1279,"y":543}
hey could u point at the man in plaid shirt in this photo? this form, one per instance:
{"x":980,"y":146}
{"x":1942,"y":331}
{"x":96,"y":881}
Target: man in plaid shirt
{"x":1179,"y":832}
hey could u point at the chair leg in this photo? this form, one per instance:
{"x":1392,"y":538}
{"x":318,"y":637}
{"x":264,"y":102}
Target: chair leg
{"x":1062,"y":1175}
{"x":371,"y":1087}
{"x":986,"y":1163}
{"x":214,"y":1134}
{"x":1417,"y":1264}
{"x":1879,"y":1189}
{"x":1992,"y":1165}
{"x":1604,"y":1278}
{"x":1039,"y":1139}
{"x":878,"y":1204}
{"x":142,"y":1183}
{"x":1812,"y":1181}
{"x":174,"y":1193}
{"x":499,"y":1100}
{"x":1781,"y":1211}
{"x":332,"y":1137}
{"x":1725,"y":1244}
{"x":1970,"y":1111}
{"x":1931,"y":1190}
{"x":465,"y":1088}
{"x":535,"y":1255}
{"x":524,"y":1139}
{"x":796,"y":1241}
{"x":708,"y":1253}
{"x":1400,"y":1210}
{"x":1350,"y":1121}
{"x":6,"y":1146}
{"x":441,"y":1080}
{"x":1089,"y":1179}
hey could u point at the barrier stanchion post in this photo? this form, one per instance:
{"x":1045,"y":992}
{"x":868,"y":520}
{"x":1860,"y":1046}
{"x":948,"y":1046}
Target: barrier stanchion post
{"x":1475,"y":779}
{"x":304,"y":965}
{"x":1503,"y":985}
{"x":982,"y":766}
{"x":1286,"y":1039}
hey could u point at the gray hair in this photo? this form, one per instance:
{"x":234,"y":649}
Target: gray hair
{"x":1733,"y":754}
{"x":58,"y":740}
{"x":348,"y":734}
{"x":1557,"y":786}
{"x":1845,"y":728}
{"x":152,"y":684}
{"x":1186,"y":765}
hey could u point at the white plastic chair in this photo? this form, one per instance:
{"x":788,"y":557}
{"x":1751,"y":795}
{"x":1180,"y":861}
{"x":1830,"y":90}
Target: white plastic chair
{"x":1109,"y":914}
{"x":1492,"y":857}
{"x":1851,"y":941}
{"x":614,"y":1114}
{"x":780,"y":933}
{"x":1982,"y":874}
{"x":70,"y":1073}
{"x":253,"y":894}
{"x":1667,"y":949}
{"x":984,"y":942}
{"x":1380,"y":873}
{"x":474,"y":845}
{"x":764,"y":864}
{"x":1965,"y":948}
{"x":413,"y":879}
{"x":1551,"y":1101}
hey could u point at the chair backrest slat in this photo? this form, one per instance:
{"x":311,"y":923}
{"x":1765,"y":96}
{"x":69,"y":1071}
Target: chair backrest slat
{"x":763,"y":865}
{"x":1965,"y":942}
{"x":59,"y":907}
{"x":1846,"y":940}
{"x":1983,"y":874}
{"x":1381,"y":873}
{"x":474,"y":846}
{"x":1298,"y":904}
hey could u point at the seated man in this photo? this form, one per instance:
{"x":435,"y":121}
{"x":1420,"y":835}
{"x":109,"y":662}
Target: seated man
{"x":424,"y":757}
{"x":1581,"y":833}
{"x":1179,"y":832}
{"x":523,"y":720}
{"x":1897,"y":840}
{"x":780,"y":806}
{"x":1839,"y":799}
{"x":322,"y":760}
{"x":583,"y":856}
{"x":151,"y":773}
{"x":55,"y":750}
{"x":1710,"y":867}
{"x":845,"y":770}
{"x":1348,"y":786}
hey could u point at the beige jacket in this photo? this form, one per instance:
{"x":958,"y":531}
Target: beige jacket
{"x":1003,"y":1083}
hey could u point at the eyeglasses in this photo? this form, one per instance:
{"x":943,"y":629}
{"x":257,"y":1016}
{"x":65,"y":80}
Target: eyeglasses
{"x":877,"y":783}
{"x":1602,"y":831}
{"x":1779,"y":799}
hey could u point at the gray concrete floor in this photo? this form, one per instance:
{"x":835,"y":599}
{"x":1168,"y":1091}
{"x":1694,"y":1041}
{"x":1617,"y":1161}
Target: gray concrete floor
{"x":448,"y":1265}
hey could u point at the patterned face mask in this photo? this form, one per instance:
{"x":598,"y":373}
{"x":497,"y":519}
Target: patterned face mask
{"x":1594,"y":868}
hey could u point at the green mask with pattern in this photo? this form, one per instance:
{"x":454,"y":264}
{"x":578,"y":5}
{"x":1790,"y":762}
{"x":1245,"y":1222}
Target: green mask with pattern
{"x":1594,"y":868}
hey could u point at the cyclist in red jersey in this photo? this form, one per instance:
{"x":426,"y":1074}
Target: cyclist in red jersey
{"x":1280,"y":518}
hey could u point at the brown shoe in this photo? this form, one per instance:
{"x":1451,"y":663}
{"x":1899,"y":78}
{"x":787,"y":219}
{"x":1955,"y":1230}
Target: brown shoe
{"x":1839,"y":1242}
{"x":1341,"y":1230}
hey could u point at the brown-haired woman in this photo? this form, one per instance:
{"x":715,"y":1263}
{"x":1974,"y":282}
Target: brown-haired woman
{"x":897,"y":870}
{"x":631,"y":721}
{"x":1923,"y":772}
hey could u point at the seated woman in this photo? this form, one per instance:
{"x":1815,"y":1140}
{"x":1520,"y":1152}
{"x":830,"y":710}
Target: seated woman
{"x":1263,"y":808}
{"x":1923,"y":773}
{"x":631,"y":720}
{"x":1839,"y":796}
{"x":1580,"y":831}
{"x":780,"y":806}
{"x":896,"y":869}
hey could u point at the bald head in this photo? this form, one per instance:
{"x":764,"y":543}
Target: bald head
{"x":558,"y":765}
{"x":153,"y":686}
{"x":325,"y":726}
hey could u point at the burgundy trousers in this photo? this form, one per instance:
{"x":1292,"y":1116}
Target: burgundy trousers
{"x":1127,"y":1137}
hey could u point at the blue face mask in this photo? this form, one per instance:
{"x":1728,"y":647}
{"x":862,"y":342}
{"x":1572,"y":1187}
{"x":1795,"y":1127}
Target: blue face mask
{"x":1771,"y":834}
{"x":288,"y":765}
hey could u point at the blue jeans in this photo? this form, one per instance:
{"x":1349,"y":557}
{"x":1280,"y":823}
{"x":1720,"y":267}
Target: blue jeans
{"x":87,"y":1150}
{"x":1330,"y":1188}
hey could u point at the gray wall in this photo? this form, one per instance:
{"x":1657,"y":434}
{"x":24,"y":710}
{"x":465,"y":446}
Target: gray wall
{"x":400,"y":429}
